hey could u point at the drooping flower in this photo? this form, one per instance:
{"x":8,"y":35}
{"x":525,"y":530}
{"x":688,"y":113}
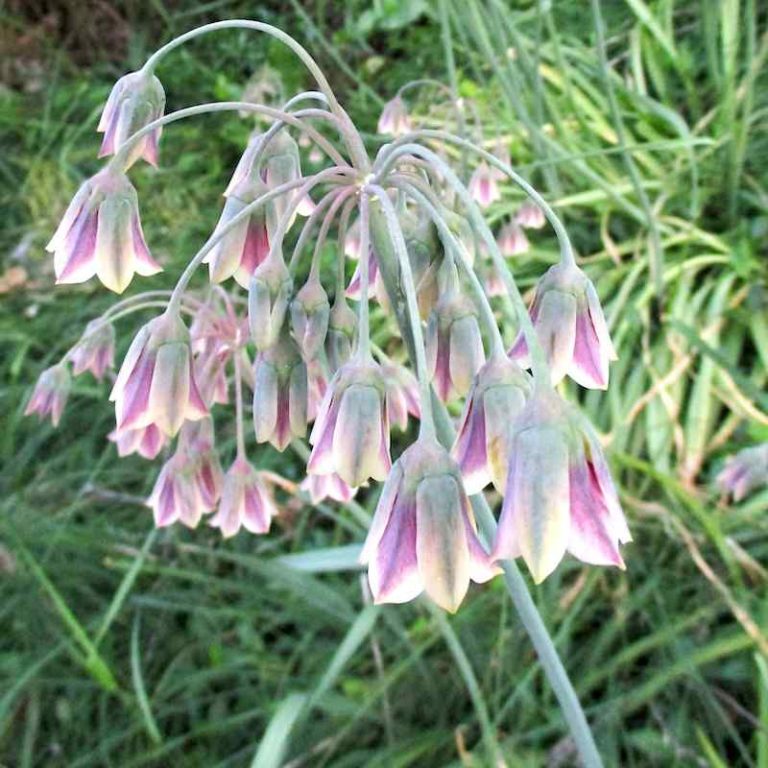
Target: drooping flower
{"x":571,"y":328}
{"x":156,"y":383}
{"x":559,"y":495}
{"x":512,"y":240}
{"x":197,"y":439}
{"x":245,"y":246}
{"x":351,"y":433}
{"x":342,"y":327}
{"x":484,"y":439}
{"x":50,"y":393}
{"x":374,"y":287}
{"x":95,"y":352}
{"x":484,"y":185}
{"x":310,"y":315}
{"x":176,"y":496}
{"x":331,"y":486}
{"x":394,"y":120}
{"x":146,"y":441}
{"x":268,"y":296}
{"x":317,"y":385}
{"x":423,"y":536}
{"x":744,"y":472}
{"x":402,"y":394}
{"x":245,"y":502}
{"x":454,"y":345}
{"x":136,"y":100}
{"x":100,"y":234}
{"x":530,"y":216}
{"x":280,"y":394}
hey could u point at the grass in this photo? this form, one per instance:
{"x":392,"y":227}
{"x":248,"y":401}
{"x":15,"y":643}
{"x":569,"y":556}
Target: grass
{"x":126,"y":647}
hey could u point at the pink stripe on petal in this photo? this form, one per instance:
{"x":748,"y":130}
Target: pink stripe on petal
{"x":145,"y":265}
{"x":470,"y":450}
{"x":132,"y":407}
{"x":78,"y":251}
{"x":589,"y":367}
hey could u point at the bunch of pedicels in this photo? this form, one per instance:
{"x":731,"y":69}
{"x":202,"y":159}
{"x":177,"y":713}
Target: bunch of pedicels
{"x":424,"y":252}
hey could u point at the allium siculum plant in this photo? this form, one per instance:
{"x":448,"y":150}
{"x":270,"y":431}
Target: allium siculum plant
{"x":424,"y":252}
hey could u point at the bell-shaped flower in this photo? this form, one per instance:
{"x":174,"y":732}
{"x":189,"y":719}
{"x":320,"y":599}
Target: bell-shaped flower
{"x":310,"y":315}
{"x":571,"y":328}
{"x":484,"y":185}
{"x":351,"y":433}
{"x":342,"y":328}
{"x":197,"y":439}
{"x":423,"y":535}
{"x":156,"y":383}
{"x":95,"y":352}
{"x":354,"y":287}
{"x":317,"y":385}
{"x":268,"y":297}
{"x":176,"y":496}
{"x":530,"y":216}
{"x":512,"y":240}
{"x":484,"y":439}
{"x":50,"y":393}
{"x":402,"y":395}
{"x":246,"y":245}
{"x":320,"y":487}
{"x":744,"y":472}
{"x":559,"y":495}
{"x":146,"y":441}
{"x":394,"y":120}
{"x":136,"y":100}
{"x":245,"y":502}
{"x":100,"y":234}
{"x":280,"y":394}
{"x":454,"y":345}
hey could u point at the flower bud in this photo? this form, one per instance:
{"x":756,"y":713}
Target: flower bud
{"x":394,"y":120}
{"x":50,"y":393}
{"x":244,"y":502}
{"x":484,"y":439}
{"x":454,"y":346}
{"x":512,"y":240}
{"x":402,"y":395}
{"x":100,"y":234}
{"x":484,"y":186}
{"x":571,"y":328}
{"x":559,"y":494}
{"x":136,"y":100}
{"x":423,"y":535}
{"x":310,"y":314}
{"x":243,"y":248}
{"x":374,"y":281}
{"x":744,"y":472}
{"x":331,"y":486}
{"x":351,"y":434}
{"x":156,"y":384}
{"x":530,"y":216}
{"x":146,"y":441}
{"x":280,"y":394}
{"x":342,"y":327}
{"x":95,"y":352}
{"x":268,"y":296}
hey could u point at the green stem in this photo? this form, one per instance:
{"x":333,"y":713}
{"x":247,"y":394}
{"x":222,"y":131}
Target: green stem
{"x":240,"y":430}
{"x":363,"y":353}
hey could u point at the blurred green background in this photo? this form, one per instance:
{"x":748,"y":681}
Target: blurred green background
{"x":120,"y":646}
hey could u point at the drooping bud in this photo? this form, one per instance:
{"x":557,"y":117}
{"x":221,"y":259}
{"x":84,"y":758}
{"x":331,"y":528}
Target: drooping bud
{"x":156,"y":383}
{"x":245,"y":502}
{"x":244,"y":247}
{"x":310,"y":314}
{"x":512,"y":240}
{"x":402,"y":395}
{"x":484,"y":186}
{"x":394,"y":120}
{"x":351,"y":434}
{"x":268,"y":296}
{"x":50,"y":393}
{"x":280,"y":394}
{"x":530,"y":216}
{"x":423,"y":536}
{"x":95,"y":352}
{"x":146,"y":441}
{"x":331,"y":486}
{"x":136,"y":100}
{"x":342,"y":328}
{"x":484,"y":439}
{"x":100,"y":234}
{"x":559,"y":495}
{"x":454,"y":345}
{"x":571,"y":328}
{"x":744,"y":472}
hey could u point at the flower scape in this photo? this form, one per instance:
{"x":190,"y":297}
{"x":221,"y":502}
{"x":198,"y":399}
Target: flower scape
{"x":279,"y":328}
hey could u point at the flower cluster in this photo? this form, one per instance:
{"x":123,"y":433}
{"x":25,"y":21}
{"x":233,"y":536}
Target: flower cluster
{"x":413,"y":239}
